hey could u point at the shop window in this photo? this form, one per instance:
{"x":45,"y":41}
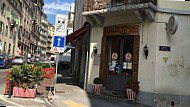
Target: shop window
{"x":6,"y":31}
{"x":1,"y":27}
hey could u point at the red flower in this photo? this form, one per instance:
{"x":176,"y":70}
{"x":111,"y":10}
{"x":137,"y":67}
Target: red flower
{"x":26,"y":83}
{"x":127,"y":86}
{"x":134,"y":82}
{"x":21,"y":85}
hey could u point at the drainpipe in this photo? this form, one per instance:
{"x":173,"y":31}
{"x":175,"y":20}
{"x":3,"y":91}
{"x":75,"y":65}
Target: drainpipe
{"x":87,"y":57}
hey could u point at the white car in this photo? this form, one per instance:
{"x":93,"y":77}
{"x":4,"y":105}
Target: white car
{"x":19,"y":60}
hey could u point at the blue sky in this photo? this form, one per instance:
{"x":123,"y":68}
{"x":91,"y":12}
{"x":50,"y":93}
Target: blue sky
{"x":52,"y":7}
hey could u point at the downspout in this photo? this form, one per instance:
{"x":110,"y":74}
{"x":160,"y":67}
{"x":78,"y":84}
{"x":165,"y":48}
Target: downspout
{"x":87,"y":57}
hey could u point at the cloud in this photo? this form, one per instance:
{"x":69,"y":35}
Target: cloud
{"x":49,"y":11}
{"x":58,"y":6}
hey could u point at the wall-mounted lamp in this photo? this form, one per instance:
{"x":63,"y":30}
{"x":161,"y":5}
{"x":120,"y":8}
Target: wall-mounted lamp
{"x":95,"y":50}
{"x":145,"y":51}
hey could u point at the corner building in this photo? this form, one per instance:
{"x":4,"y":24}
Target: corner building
{"x":121,"y":30}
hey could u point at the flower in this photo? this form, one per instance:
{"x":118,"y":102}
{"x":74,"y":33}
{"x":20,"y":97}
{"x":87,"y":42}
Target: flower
{"x":133,"y":84}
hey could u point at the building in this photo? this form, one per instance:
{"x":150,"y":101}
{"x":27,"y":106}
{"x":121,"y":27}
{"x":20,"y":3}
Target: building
{"x":10,"y":20}
{"x":51,"y":33}
{"x":20,"y":26}
{"x":119,"y":36}
{"x":71,"y":19}
{"x":42,"y":43}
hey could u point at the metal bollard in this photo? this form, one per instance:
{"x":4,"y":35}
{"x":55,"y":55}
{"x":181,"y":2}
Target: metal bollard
{"x":172,"y":104}
{"x":9,"y":89}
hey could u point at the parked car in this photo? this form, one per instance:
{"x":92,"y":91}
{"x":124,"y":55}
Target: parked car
{"x":37,"y":58}
{"x":5,"y":61}
{"x":19,"y":60}
{"x":29,"y":60}
{"x":45,"y":62}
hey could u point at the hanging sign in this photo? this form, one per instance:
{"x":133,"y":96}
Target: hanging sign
{"x":114,"y":55}
{"x":128,"y":56}
{"x":172,"y":25}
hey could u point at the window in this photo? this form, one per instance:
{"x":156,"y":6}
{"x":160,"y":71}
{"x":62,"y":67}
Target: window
{"x":3,"y":11}
{"x":11,"y":33}
{"x":9,"y":48}
{"x":6,"y":31}
{"x":4,"y":50}
{"x":8,"y":12}
{"x":13,"y":49}
{"x":1,"y":27}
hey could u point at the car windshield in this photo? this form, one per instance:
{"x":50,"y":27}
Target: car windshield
{"x":18,"y":57}
{"x":1,"y":56}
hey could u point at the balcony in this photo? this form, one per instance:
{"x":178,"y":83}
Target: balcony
{"x":91,"y":5}
{"x":43,"y":38}
{"x":102,"y":12}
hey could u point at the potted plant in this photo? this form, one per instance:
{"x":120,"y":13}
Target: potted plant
{"x":132,"y":88}
{"x":26,"y":78}
{"x":97,"y":86}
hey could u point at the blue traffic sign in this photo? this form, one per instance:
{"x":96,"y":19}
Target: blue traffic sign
{"x":58,"y":41}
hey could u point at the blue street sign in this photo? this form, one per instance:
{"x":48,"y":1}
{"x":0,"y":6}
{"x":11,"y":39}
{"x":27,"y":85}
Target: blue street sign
{"x":58,"y":41}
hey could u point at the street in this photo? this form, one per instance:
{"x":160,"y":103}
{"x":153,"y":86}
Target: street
{"x":3,"y":76}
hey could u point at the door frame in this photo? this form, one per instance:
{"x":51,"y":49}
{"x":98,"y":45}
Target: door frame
{"x":123,"y":30}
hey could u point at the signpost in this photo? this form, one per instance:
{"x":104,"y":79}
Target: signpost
{"x":58,"y":44}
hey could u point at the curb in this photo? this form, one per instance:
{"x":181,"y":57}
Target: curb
{"x":2,"y":98}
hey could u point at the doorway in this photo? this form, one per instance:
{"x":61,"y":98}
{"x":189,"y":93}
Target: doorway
{"x":120,"y":62}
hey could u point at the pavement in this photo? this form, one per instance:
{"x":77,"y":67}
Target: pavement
{"x":68,"y":94}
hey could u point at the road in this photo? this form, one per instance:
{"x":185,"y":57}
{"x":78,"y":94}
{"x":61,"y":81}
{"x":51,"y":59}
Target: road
{"x":3,"y":77}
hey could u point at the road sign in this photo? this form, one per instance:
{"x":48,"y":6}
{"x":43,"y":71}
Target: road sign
{"x":0,"y":46}
{"x":58,"y":41}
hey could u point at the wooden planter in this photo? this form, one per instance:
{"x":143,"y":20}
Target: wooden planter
{"x":20,"y":92}
{"x":97,"y":88}
{"x":131,"y":95}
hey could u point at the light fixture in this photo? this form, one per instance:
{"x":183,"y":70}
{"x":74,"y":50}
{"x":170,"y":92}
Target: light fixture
{"x":95,"y":51}
{"x":145,"y":51}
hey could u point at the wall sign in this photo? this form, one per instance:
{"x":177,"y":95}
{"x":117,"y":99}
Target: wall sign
{"x":164,"y":48}
{"x":172,"y":25}
{"x":114,"y":55}
{"x":122,"y":30}
{"x":128,"y":56}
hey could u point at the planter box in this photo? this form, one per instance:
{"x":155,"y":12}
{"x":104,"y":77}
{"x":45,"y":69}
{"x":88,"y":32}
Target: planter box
{"x":131,"y":95}
{"x":97,"y":88}
{"x":20,"y":92}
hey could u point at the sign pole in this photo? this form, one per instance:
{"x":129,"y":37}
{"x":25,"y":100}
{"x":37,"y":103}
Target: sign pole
{"x":57,"y":59}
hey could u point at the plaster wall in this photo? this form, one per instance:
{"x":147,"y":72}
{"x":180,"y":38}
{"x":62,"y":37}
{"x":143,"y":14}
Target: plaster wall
{"x":147,"y":66}
{"x":121,"y":20}
{"x":171,"y":4}
{"x":95,"y":40}
{"x":173,"y":76}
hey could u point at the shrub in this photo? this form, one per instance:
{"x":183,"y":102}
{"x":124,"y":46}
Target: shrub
{"x":26,"y":76}
{"x":97,"y":80}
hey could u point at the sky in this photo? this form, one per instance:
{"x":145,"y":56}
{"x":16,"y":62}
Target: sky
{"x":52,"y":7}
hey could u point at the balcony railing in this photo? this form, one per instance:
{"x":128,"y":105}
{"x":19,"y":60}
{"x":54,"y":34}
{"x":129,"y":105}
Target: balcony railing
{"x":91,"y":5}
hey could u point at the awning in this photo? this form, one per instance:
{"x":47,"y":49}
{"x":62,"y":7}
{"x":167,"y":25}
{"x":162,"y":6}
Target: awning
{"x":75,"y":35}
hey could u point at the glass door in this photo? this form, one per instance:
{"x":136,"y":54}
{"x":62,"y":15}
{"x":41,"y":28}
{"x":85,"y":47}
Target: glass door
{"x":119,"y":70}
